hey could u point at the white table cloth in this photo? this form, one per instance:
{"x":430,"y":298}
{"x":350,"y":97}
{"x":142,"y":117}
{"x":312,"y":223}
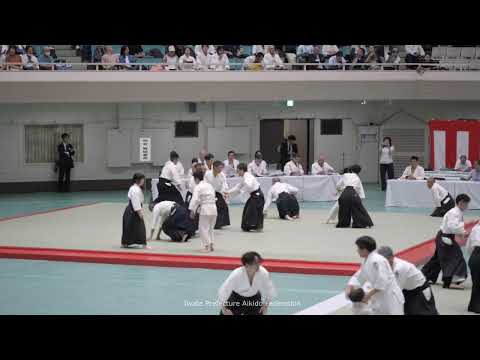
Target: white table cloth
{"x":310,"y":188}
{"x":415,"y":193}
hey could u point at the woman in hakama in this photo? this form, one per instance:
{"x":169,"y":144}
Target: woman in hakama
{"x":350,"y":201}
{"x":248,"y":290}
{"x":473,"y":248}
{"x":217,"y":179}
{"x":252,"y":216}
{"x":133,"y":229}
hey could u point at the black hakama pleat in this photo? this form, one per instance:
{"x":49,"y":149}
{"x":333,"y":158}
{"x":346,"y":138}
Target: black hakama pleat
{"x":287,"y":204}
{"x":351,"y":207}
{"x":223,"y":215}
{"x":444,"y":208}
{"x":417,"y":304}
{"x":448,"y":259}
{"x":252,"y":217}
{"x":474,"y":265}
{"x":178,"y":224}
{"x":188,"y":198}
{"x":133,"y":228}
{"x":241,"y":305}
{"x":167,"y":191}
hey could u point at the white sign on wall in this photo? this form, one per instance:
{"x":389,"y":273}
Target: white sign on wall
{"x":145,"y":149}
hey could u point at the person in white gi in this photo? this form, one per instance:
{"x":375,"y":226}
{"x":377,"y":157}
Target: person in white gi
{"x":204,"y":197}
{"x":230,"y":165}
{"x":170,"y":170}
{"x":201,"y":156}
{"x":356,"y":296}
{"x":248,"y":290}
{"x":418,"y":295}
{"x":463,"y":164}
{"x":413,"y":171}
{"x":284,"y":195}
{"x":219,"y":60}
{"x":161,"y":212}
{"x":386,"y":296}
{"x":271,"y":60}
{"x":321,"y":167}
{"x":293,"y":167}
{"x":258,"y":166}
{"x":441,"y":198}
{"x":217,"y":179}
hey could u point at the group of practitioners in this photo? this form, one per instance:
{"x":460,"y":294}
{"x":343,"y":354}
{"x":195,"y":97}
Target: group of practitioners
{"x":384,"y":284}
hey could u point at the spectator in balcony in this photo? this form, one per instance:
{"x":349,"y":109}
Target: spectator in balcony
{"x":218,"y":61}
{"x":315,"y":57}
{"x":98,"y":53}
{"x":392,"y":58}
{"x":137,"y":51}
{"x":358,"y":58}
{"x":13,"y":61}
{"x":30,"y":61}
{"x":230,"y":50}
{"x":126,"y":58}
{"x":372,"y":58}
{"x":202,"y":56}
{"x":109,"y":58}
{"x":46,"y":59}
{"x":187,"y":61}
{"x":414,"y":53}
{"x":254,"y":62}
{"x":303,"y":51}
{"x":259,"y":48}
{"x":171,"y":58}
{"x":271,"y":60}
{"x":330,"y":50}
{"x":210,"y":49}
{"x":336,"y":62}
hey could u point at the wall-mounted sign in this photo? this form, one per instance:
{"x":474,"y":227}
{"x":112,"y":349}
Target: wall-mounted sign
{"x":145,"y":149}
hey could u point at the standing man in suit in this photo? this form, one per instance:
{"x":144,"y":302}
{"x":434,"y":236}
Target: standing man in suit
{"x":288,"y":148}
{"x":65,"y":163}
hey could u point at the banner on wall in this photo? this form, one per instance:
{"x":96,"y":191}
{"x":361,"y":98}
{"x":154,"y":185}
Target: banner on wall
{"x":145,"y":149}
{"x":451,"y":138}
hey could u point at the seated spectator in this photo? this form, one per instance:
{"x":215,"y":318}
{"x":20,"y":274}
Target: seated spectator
{"x":126,"y":58}
{"x":179,"y":50}
{"x":230,"y":50}
{"x":171,"y":58}
{"x":330,"y":50}
{"x":202,"y":56}
{"x":475,"y":174}
{"x":218,"y":61}
{"x":414,"y":53}
{"x":13,"y":60}
{"x":463,"y":164}
{"x":372,"y":58}
{"x":414,"y":171}
{"x":187,"y":61}
{"x":271,"y":60}
{"x":303,"y":51}
{"x":315,"y":57}
{"x":380,"y":52}
{"x":392,"y":58}
{"x":45,"y":59}
{"x":259,"y":48}
{"x":30,"y":61}
{"x":210,"y":49}
{"x":239,"y":54}
{"x":358,"y":58}
{"x":254,"y":62}
{"x":136,"y":50}
{"x":337,"y":59}
{"x":109,"y":58}
{"x":98,"y":53}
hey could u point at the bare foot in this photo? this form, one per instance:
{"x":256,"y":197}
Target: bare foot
{"x":146,"y":247}
{"x":457,"y":287}
{"x":288,"y":217}
{"x":206,"y":249}
{"x":211,"y":247}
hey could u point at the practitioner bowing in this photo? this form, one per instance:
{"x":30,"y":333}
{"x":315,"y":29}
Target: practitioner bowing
{"x":133,"y":225}
{"x":252,"y":217}
{"x":174,"y":220}
{"x":385,"y":296}
{"x":248,"y":290}
{"x":442,"y":199}
{"x":217,"y":179}
{"x":284,"y":195}
{"x":448,"y":256}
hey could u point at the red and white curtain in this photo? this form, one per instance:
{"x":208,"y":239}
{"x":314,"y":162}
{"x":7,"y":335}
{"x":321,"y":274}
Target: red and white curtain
{"x":451,"y":138}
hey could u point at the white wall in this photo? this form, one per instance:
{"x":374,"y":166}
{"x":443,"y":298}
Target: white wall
{"x":98,"y":118}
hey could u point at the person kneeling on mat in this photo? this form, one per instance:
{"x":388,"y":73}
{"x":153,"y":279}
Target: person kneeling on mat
{"x":284,"y":195}
{"x":174,"y":220}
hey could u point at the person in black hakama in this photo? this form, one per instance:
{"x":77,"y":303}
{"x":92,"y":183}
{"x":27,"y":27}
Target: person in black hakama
{"x":473,"y":249}
{"x":252,"y":216}
{"x":284,"y":196}
{"x":442,"y":199}
{"x":64,"y":163}
{"x":133,"y":225}
{"x":179,"y":226}
{"x":169,"y":183}
{"x":448,"y":257}
{"x":218,"y":180}
{"x":419,"y":299}
{"x":350,"y":201}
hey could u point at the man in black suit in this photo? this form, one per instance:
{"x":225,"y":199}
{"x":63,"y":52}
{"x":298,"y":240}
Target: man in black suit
{"x":65,"y":163}
{"x":288,"y":148}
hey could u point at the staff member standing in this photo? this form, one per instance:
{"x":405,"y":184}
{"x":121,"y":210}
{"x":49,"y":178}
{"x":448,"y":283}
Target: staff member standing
{"x":65,"y":163}
{"x":386,"y":161}
{"x":287,"y":149}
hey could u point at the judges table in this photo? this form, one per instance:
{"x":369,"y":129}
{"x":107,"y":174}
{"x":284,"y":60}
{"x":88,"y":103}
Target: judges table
{"x":415,"y":193}
{"x":310,"y":187}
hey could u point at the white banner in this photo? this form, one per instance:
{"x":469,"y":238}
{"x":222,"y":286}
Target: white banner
{"x":145,"y":149}
{"x":462,"y":143}
{"x":439,"y":148}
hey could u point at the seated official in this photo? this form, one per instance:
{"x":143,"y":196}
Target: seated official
{"x":293,"y":167}
{"x":230,"y":165}
{"x":321,"y":167}
{"x":413,"y":171}
{"x":475,"y":173}
{"x":463,"y":164}
{"x":258,"y":167}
